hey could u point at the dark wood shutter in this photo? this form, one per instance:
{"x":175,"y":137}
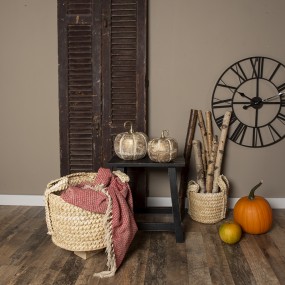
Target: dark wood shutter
{"x":102,"y":77}
{"x":102,"y":81}
{"x":79,"y":92}
{"x":124,"y":75}
{"x":124,"y":78}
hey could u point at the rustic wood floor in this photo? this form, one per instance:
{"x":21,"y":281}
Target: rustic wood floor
{"x":27,"y":255}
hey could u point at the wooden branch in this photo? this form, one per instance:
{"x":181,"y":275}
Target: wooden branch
{"x":199,"y":165}
{"x":190,"y":134}
{"x":220,"y":152}
{"x":211,"y":165}
{"x":203,"y":134}
{"x":187,"y":155}
{"x":209,"y":130}
{"x":204,"y":159}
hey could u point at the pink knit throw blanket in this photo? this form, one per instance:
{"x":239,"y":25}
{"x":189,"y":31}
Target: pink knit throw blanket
{"x":123,"y":223}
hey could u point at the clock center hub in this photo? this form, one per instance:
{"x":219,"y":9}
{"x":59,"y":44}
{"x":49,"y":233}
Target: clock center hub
{"x":256,"y":102}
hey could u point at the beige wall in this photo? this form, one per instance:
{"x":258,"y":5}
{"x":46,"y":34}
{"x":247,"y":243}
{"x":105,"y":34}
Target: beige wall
{"x":29,"y":150}
{"x":191,"y":43}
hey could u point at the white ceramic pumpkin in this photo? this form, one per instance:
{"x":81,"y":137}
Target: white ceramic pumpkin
{"x":131,"y":145}
{"x":163,"y":149}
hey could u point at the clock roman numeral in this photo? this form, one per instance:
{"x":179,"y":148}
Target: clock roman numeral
{"x":273,"y":131}
{"x":239,"y":133}
{"x":282,"y":102}
{"x":237,"y":69}
{"x":219,"y":121}
{"x":281,"y":87}
{"x":257,"y":66}
{"x":233,"y":118}
{"x":281,"y":118}
{"x":224,"y":85}
{"x":274,"y":71}
{"x":256,"y":137}
{"x":222,"y":103}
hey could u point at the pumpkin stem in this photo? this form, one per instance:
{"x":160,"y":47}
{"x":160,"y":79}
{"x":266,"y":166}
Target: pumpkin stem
{"x":131,"y":126}
{"x":251,"y":194}
{"x":162,"y":134}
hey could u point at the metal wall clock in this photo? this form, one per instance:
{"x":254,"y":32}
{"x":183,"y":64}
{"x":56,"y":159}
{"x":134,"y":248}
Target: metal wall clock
{"x":254,"y":90}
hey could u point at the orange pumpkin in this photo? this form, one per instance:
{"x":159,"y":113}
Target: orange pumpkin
{"x":253,"y":213}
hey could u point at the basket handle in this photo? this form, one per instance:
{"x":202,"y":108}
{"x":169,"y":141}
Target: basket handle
{"x":193,"y":186}
{"x":223,"y":183}
{"x":63,"y":182}
{"x":57,"y":186}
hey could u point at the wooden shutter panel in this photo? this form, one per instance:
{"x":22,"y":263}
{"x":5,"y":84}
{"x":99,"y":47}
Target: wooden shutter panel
{"x":102,"y":70}
{"x":124,"y":76}
{"x":79,"y":94}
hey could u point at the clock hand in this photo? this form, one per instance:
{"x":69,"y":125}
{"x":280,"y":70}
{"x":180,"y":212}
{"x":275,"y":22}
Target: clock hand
{"x":275,"y":96}
{"x":260,"y":102}
{"x":245,"y":107}
{"x":257,"y":87}
{"x":243,"y":95}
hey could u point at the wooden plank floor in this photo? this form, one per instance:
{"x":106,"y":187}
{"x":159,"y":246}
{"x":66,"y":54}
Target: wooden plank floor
{"x":27,"y":255}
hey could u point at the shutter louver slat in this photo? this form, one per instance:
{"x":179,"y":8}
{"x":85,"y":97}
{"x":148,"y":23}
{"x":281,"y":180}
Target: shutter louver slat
{"x":80,"y":89}
{"x":123,"y":62}
{"x":76,"y":7}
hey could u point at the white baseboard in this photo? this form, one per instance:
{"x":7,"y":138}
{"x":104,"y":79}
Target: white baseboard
{"x":38,"y":200}
{"x":275,"y":203}
{"x":22,"y":200}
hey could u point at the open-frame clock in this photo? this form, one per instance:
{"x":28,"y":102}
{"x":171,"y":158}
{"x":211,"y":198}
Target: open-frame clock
{"x":254,"y":90}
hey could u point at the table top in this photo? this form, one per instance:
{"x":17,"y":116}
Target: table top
{"x":115,"y":161}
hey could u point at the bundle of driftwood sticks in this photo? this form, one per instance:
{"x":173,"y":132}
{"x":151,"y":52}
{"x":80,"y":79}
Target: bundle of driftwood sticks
{"x":209,"y":153}
{"x":208,"y":166}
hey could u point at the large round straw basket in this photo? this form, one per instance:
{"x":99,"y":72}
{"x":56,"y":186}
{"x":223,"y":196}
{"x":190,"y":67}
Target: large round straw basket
{"x":71,"y":227}
{"x":208,"y":208}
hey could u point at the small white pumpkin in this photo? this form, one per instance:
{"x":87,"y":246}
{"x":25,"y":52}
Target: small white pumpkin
{"x":163,"y":149}
{"x":130,"y":145}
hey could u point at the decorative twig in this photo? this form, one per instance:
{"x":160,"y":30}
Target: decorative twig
{"x":211,"y":165}
{"x":209,"y":130}
{"x":199,"y":165}
{"x":204,"y":159}
{"x":187,"y":155}
{"x":220,"y":152}
{"x":190,"y":134}
{"x":203,"y":135}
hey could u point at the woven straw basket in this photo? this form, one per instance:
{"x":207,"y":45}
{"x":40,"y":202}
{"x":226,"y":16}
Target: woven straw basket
{"x":208,"y":208}
{"x":71,"y":227}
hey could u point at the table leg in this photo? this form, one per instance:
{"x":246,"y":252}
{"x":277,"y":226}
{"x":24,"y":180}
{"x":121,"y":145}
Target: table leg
{"x":175,"y":205}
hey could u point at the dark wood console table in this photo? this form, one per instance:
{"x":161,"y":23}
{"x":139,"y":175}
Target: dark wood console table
{"x":172,"y":167}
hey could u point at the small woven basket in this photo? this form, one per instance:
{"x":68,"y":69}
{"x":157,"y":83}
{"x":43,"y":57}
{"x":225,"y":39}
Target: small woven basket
{"x":71,"y":227}
{"x":208,"y":208}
